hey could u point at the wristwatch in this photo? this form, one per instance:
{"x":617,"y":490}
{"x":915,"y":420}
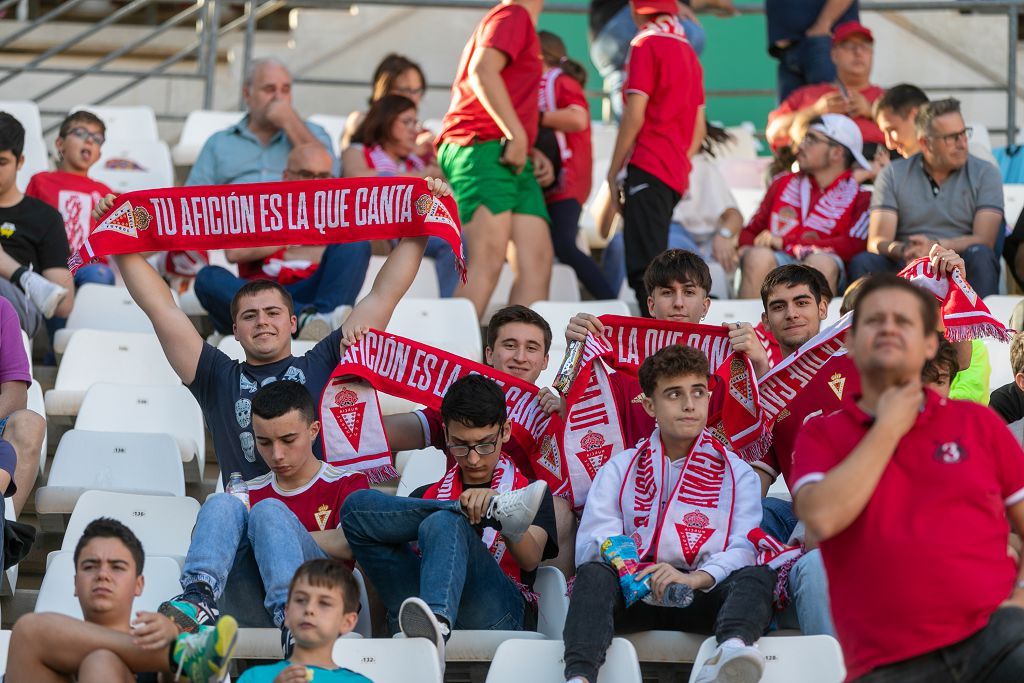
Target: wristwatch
{"x":726,"y":233}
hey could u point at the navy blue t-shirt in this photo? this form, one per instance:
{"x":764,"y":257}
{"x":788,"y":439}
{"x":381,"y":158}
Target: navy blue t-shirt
{"x":790,"y":19}
{"x":224,"y":389}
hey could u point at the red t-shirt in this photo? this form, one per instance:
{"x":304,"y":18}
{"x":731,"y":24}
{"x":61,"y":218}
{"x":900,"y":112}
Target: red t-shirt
{"x":510,"y":29}
{"x":795,"y":215}
{"x":74,"y":196}
{"x":559,"y":91}
{"x":318,"y":503}
{"x":809,"y":94}
{"x":924,"y":565}
{"x":663,"y":66}
{"x":837,"y":378}
{"x":433,"y":430}
{"x":275,"y":267}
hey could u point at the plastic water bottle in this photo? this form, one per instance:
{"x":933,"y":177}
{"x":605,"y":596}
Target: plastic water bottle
{"x":676,"y":595}
{"x":238,"y":488}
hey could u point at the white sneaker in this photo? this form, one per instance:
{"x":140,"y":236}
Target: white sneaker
{"x":44,"y":294}
{"x":415,"y":620}
{"x":516,"y":510}
{"x":731,"y":664}
{"x":314,"y":326}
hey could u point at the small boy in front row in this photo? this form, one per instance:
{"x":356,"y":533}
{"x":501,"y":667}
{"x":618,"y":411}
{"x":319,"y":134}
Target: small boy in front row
{"x":323,"y":602}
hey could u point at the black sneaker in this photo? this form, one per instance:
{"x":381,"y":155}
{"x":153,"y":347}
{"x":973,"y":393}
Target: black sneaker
{"x":287,"y":642}
{"x":194,"y":608}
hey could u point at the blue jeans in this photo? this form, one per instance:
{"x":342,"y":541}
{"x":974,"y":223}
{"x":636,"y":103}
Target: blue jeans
{"x":248,"y":557}
{"x":805,"y":62}
{"x":444,"y":264}
{"x":610,"y":47}
{"x":613,"y":263}
{"x":808,"y":609}
{"x":336,"y":282}
{"x":453,"y":573}
{"x":981,"y":261}
{"x":94,"y":273}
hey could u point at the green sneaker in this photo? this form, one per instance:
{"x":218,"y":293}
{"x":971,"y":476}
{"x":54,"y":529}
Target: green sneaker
{"x":204,"y":657}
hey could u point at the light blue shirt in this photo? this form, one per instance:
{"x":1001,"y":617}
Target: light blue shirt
{"x":266,"y":674}
{"x":235,"y":155}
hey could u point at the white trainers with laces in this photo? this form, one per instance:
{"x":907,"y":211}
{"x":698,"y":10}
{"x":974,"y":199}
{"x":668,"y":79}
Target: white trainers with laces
{"x":415,"y":620}
{"x":732,"y":664}
{"x":44,"y":294}
{"x":516,"y":510}
{"x":314,"y":326}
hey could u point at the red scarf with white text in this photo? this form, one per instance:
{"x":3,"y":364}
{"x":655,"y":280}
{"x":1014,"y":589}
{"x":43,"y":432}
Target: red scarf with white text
{"x":795,"y":219}
{"x":272,"y":214}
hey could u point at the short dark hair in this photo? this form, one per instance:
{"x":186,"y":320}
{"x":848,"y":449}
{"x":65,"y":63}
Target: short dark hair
{"x":928,"y":305}
{"x":12,"y":135}
{"x":281,"y":397}
{"x":793,"y":275}
{"x":254,"y":287}
{"x":677,"y":265}
{"x":80,"y":116}
{"x":927,"y":114}
{"x":517,"y":314}
{"x":474,"y":401}
{"x":900,"y":99}
{"x":380,"y":119}
{"x":672,"y":361}
{"x":107,"y":527}
{"x":945,"y":359}
{"x":330,"y":574}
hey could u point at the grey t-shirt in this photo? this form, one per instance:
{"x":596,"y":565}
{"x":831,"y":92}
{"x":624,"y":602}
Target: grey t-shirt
{"x":904,"y":187}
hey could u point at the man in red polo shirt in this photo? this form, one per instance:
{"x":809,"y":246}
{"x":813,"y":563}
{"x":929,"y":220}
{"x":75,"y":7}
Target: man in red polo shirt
{"x":924,"y":485}
{"x":662,"y":126}
{"x":851,"y":94}
{"x":817,"y":216}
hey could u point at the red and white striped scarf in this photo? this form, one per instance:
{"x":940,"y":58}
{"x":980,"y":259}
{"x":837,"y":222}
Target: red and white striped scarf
{"x":382,"y":162}
{"x":793,"y":215}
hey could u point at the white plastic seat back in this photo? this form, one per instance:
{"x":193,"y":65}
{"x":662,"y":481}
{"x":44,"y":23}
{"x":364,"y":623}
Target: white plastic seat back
{"x":127,"y":165}
{"x":364,"y":624}
{"x":102,"y":307}
{"x":389,"y":660}
{"x":424,"y":467}
{"x":27,"y":113}
{"x":57,"y":591}
{"x":424,"y":285}
{"x":791,"y":659}
{"x":5,"y":641}
{"x":558,"y":313}
{"x":38,"y":406}
{"x":334,"y":125}
{"x":27,"y":343}
{"x":199,"y":126}
{"x":735,"y":311}
{"x":543,"y":660}
{"x":162,"y":523}
{"x":448,"y":324}
{"x":154,"y":409}
{"x":36,"y":161}
{"x":1013,"y":202}
{"x":234,"y":350}
{"x":132,"y":122}
{"x":564,"y":286}
{"x":1001,"y":306}
{"x":553,"y":603}
{"x":999,"y":360}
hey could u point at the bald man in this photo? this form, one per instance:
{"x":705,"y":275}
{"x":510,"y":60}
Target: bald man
{"x":319,"y":278}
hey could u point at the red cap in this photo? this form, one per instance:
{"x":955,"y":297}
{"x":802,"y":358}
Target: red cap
{"x":849,"y":29}
{"x":655,"y":6}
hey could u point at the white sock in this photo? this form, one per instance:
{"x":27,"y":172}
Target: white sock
{"x":734,"y":642}
{"x":577,"y":679}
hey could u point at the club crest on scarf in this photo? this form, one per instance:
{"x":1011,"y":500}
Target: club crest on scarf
{"x":348,"y":411}
{"x":595,"y":452}
{"x":693,"y":534}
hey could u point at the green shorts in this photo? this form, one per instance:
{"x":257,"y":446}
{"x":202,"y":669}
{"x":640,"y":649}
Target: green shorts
{"x":478,"y":178}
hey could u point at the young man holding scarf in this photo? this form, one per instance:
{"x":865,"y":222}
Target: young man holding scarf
{"x":264,"y":321}
{"x":688,"y":505}
{"x":817,"y":216}
{"x":896,"y":460}
{"x":454,"y":580}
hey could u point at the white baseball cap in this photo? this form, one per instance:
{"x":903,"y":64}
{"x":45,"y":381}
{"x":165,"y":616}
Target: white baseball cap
{"x":842,"y":130}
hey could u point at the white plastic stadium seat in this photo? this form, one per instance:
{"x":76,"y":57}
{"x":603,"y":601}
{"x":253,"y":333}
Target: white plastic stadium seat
{"x":153,"y":409}
{"x":334,"y":125}
{"x":234,"y":351}
{"x":199,"y":126}
{"x":98,"y":356}
{"x":127,"y":165}
{"x":107,"y":461}
{"x":37,"y":405}
{"x":532,"y":660}
{"x":57,"y":591}
{"x":792,"y":659}
{"x":162,"y":523}
{"x":1013,"y":202}
{"x":448,"y":324}
{"x":102,"y":307}
{"x":27,"y":113}
{"x":5,"y":641}
{"x":387,"y":660}
{"x":424,"y":285}
{"x":27,"y":343}
{"x":735,"y":311}
{"x":422,"y":467}
{"x":135,"y":122}
{"x":1001,"y":306}
{"x":999,"y":358}
{"x":563,"y":287}
{"x":558,"y":313}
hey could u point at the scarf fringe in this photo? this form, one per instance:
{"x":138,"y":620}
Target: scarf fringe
{"x":757,"y":450}
{"x":962,"y":333}
{"x":379,"y":475}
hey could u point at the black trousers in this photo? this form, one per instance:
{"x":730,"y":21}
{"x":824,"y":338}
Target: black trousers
{"x":995,"y":654}
{"x":647,"y":216}
{"x":739,"y":607}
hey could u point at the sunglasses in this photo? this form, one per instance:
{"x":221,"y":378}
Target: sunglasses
{"x":310,"y":175}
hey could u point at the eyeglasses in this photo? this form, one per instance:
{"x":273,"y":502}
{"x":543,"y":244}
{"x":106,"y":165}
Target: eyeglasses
{"x":951,"y":138}
{"x":303,"y":174}
{"x":813,"y":139}
{"x":85,"y":136}
{"x":483,"y":448}
{"x":409,"y":92}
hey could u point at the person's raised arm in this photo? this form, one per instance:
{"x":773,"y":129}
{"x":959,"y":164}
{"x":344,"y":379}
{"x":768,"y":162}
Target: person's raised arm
{"x":404,"y":432}
{"x":485,"y":79}
{"x":832,"y":503}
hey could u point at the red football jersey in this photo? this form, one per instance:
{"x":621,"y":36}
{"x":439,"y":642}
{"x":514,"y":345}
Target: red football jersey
{"x":317,"y":504}
{"x":809,"y":94}
{"x":74,"y":196}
